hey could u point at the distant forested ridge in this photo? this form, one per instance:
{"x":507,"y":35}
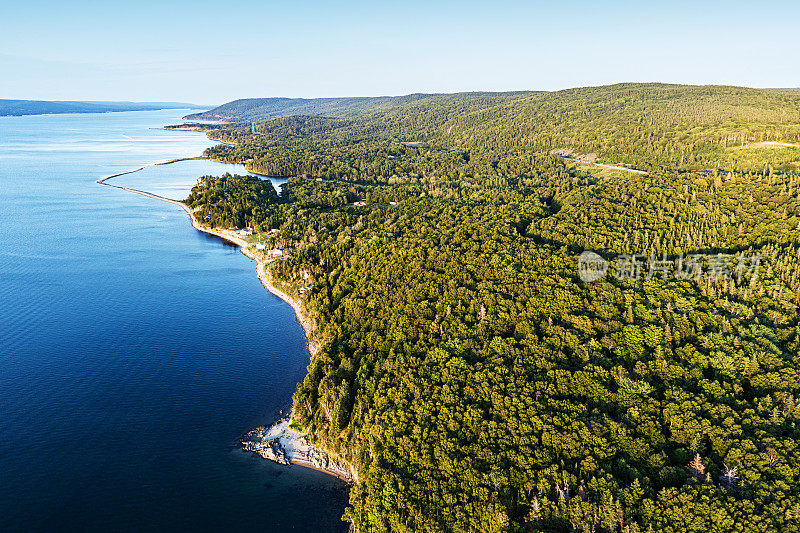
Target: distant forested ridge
{"x":42,"y":107}
{"x":260,"y":109}
{"x":466,"y":370}
{"x":642,"y":125}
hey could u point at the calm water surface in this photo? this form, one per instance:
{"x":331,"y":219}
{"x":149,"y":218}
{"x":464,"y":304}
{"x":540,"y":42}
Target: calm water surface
{"x":134,"y":350}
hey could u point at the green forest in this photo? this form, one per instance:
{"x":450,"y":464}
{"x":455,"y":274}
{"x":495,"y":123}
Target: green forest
{"x":466,"y":371}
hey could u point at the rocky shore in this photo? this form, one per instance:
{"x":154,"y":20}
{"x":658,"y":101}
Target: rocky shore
{"x":282,"y":444}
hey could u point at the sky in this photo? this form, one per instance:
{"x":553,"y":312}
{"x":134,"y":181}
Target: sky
{"x":212,"y":52}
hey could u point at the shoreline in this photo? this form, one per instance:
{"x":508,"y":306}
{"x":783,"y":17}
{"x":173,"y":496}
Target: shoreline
{"x":178,"y":160}
{"x":284,"y":445}
{"x":243,"y":245}
{"x":310,"y":455}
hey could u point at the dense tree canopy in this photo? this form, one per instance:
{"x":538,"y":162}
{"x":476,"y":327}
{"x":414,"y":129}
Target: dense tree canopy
{"x":465,"y":370}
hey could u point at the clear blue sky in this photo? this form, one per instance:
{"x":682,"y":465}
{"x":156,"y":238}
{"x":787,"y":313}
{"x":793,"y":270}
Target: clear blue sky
{"x":212,"y":52}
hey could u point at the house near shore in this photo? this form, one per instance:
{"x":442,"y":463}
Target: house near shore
{"x":261,"y":246}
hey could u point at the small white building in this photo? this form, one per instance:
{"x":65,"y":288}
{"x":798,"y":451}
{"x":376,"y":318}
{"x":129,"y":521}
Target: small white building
{"x":260,"y":246}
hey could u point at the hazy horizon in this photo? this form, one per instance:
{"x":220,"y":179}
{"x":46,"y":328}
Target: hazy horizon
{"x":254,"y":97}
{"x":196,"y":52}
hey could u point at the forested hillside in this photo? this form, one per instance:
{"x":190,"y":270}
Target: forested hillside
{"x":260,"y":109}
{"x":465,"y":369}
{"x":646,"y":126}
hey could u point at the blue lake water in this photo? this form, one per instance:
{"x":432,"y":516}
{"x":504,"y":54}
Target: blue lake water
{"x":134,"y":350}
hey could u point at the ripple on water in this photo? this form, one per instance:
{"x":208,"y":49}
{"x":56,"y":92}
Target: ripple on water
{"x":133,"y":350}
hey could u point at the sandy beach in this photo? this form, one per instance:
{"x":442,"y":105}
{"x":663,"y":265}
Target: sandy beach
{"x":278,"y":442}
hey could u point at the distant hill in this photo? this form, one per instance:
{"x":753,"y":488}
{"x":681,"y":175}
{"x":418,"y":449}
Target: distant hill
{"x":42,"y":107}
{"x":644,"y":125}
{"x":261,"y":109}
